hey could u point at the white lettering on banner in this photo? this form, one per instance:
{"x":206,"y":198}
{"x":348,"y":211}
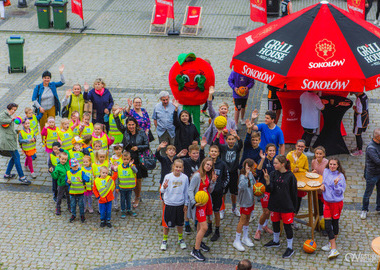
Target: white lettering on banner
{"x":370,"y":53}
{"x":77,"y":3}
{"x":356,"y":9}
{"x":165,"y":2}
{"x":274,"y":51}
{"x":321,"y":85}
{"x":334,"y":63}
{"x":377,"y":82}
{"x":256,"y":74}
{"x":258,"y":7}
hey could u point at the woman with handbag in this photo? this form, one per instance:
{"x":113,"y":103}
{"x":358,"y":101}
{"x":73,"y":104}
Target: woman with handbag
{"x":135,"y":142}
{"x":141,"y":115}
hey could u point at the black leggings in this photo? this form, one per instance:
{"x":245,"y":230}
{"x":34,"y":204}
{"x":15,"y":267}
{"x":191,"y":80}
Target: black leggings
{"x":359,"y":140}
{"x":308,"y":135}
{"x":331,"y":227}
{"x":287,"y":227}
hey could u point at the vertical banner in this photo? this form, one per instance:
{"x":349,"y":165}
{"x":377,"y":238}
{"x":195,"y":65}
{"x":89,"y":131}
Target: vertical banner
{"x":259,"y":11}
{"x":77,"y":8}
{"x":356,"y":8}
{"x":170,"y":5}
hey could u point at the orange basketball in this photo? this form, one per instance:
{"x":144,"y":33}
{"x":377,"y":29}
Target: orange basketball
{"x":242,"y":91}
{"x":309,"y":246}
{"x":258,"y":189}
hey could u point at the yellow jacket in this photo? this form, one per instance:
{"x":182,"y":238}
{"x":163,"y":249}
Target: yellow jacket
{"x":301,"y":163}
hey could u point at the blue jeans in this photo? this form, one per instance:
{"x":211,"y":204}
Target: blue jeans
{"x":15,"y":160}
{"x":125,"y":197}
{"x":105,"y":210}
{"x":74,"y":200}
{"x":371,"y":182}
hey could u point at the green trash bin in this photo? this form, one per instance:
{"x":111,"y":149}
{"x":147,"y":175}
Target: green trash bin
{"x":60,"y":14}
{"x":43,"y":13}
{"x":16,"y":54}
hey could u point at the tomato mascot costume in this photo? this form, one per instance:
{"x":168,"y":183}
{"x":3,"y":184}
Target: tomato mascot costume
{"x":189,"y":79}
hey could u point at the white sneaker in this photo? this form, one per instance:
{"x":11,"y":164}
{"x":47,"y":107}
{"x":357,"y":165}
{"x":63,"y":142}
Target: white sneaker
{"x":236,"y":212}
{"x":34,"y":176}
{"x":363,"y":215}
{"x":333,"y":254}
{"x":248,"y":242}
{"x":182,"y":244}
{"x":164,"y":245}
{"x":327,"y":247}
{"x":238,"y":246}
{"x":242,"y":122}
{"x":221,"y":214}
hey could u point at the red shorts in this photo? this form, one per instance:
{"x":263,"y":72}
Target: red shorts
{"x":301,"y":194}
{"x":332,"y":209}
{"x":264,"y":201}
{"x":287,"y":218}
{"x":247,"y":210}
{"x":202,"y":212}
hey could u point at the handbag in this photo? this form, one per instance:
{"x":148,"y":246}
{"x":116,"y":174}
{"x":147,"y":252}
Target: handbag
{"x":7,"y":3}
{"x":150,"y":134}
{"x":148,"y":160}
{"x":66,"y":110}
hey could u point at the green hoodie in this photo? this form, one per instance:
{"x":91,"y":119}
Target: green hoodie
{"x":60,"y":173}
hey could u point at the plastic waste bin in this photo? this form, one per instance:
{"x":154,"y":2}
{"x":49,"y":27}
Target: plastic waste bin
{"x":16,"y":54}
{"x":60,"y":14}
{"x":43,"y":13}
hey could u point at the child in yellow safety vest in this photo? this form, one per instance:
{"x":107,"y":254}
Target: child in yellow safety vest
{"x":100,"y":135}
{"x":101,"y":160}
{"x":114,"y":132}
{"x":66,"y":134}
{"x":115,"y":161}
{"x":77,"y":179}
{"x":73,"y":120}
{"x":27,"y":140}
{"x":52,"y":163}
{"x":103,"y":190}
{"x":49,"y":134}
{"x":125,"y":176}
{"x":33,"y":124}
{"x":77,"y":151}
{"x":96,"y":147}
{"x":86,"y":127}
{"x":87,"y":169}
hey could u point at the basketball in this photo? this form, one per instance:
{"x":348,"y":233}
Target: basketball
{"x":18,"y":120}
{"x":242,"y":91}
{"x":220,"y":122}
{"x":5,"y":125}
{"x":201,"y":197}
{"x":322,"y":224}
{"x":309,"y":246}
{"x":258,"y":189}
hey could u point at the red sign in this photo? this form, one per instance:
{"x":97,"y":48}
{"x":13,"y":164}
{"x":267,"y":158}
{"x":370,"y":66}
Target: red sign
{"x":356,"y":7}
{"x":77,"y":8}
{"x":170,"y":5}
{"x":259,"y":11}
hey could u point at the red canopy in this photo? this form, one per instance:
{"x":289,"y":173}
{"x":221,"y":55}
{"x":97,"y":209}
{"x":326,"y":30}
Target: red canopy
{"x":321,"y":47}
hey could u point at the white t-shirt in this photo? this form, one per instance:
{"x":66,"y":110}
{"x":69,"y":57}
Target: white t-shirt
{"x":176,"y":192}
{"x":311,"y":106}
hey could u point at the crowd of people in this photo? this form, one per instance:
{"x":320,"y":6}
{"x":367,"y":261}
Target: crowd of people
{"x":97,"y":158}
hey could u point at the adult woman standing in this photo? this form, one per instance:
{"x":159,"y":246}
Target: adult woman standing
{"x":140,"y":114}
{"x":8,"y":143}
{"x":136,"y":142}
{"x":45,"y":97}
{"x":101,"y":99}
{"x":74,"y":100}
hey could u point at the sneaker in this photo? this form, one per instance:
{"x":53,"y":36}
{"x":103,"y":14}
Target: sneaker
{"x":208,"y":232}
{"x":182,"y":244}
{"x":215,"y":237}
{"x":187,"y":229}
{"x":288,"y":253}
{"x":221,"y":214}
{"x":363,"y":215}
{"x":242,"y":122}
{"x":272,"y":243}
{"x":357,"y":153}
{"x":236,"y":212}
{"x":327,"y":247}
{"x":90,"y":210}
{"x":197,"y":254}
{"x":34,"y":176}
{"x":267,"y":230}
{"x":109,"y":225}
{"x":24,"y":181}
{"x":257,"y":236}
{"x":131,"y":213}
{"x":58,"y":212}
{"x":102,"y":224}
{"x":238,"y":246}
{"x":72,"y":219}
{"x":123,"y":214}
{"x":164,"y":245}
{"x":248,"y":242}
{"x":308,"y":153}
{"x":333,"y":254}
{"x":10,"y":176}
{"x":204,"y":247}
{"x":82,"y":218}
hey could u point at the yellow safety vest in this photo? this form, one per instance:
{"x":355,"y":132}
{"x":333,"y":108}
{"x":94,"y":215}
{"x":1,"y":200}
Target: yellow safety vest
{"x":113,"y":128}
{"x":118,"y":161}
{"x":78,"y":155}
{"x":104,"y":141}
{"x":34,"y":124}
{"x":90,"y":176}
{"x":104,"y":186}
{"x":95,"y":167}
{"x":27,"y":136}
{"x":87,"y":130}
{"x":54,"y":159}
{"x":66,"y":138}
{"x":76,"y":187}
{"x":127,"y":178}
{"x":75,"y":130}
{"x":52,"y":136}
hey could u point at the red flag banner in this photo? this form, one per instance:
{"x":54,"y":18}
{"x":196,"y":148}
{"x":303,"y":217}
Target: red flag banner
{"x":170,"y":5}
{"x":356,"y":8}
{"x":259,"y":11}
{"x":77,"y":8}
